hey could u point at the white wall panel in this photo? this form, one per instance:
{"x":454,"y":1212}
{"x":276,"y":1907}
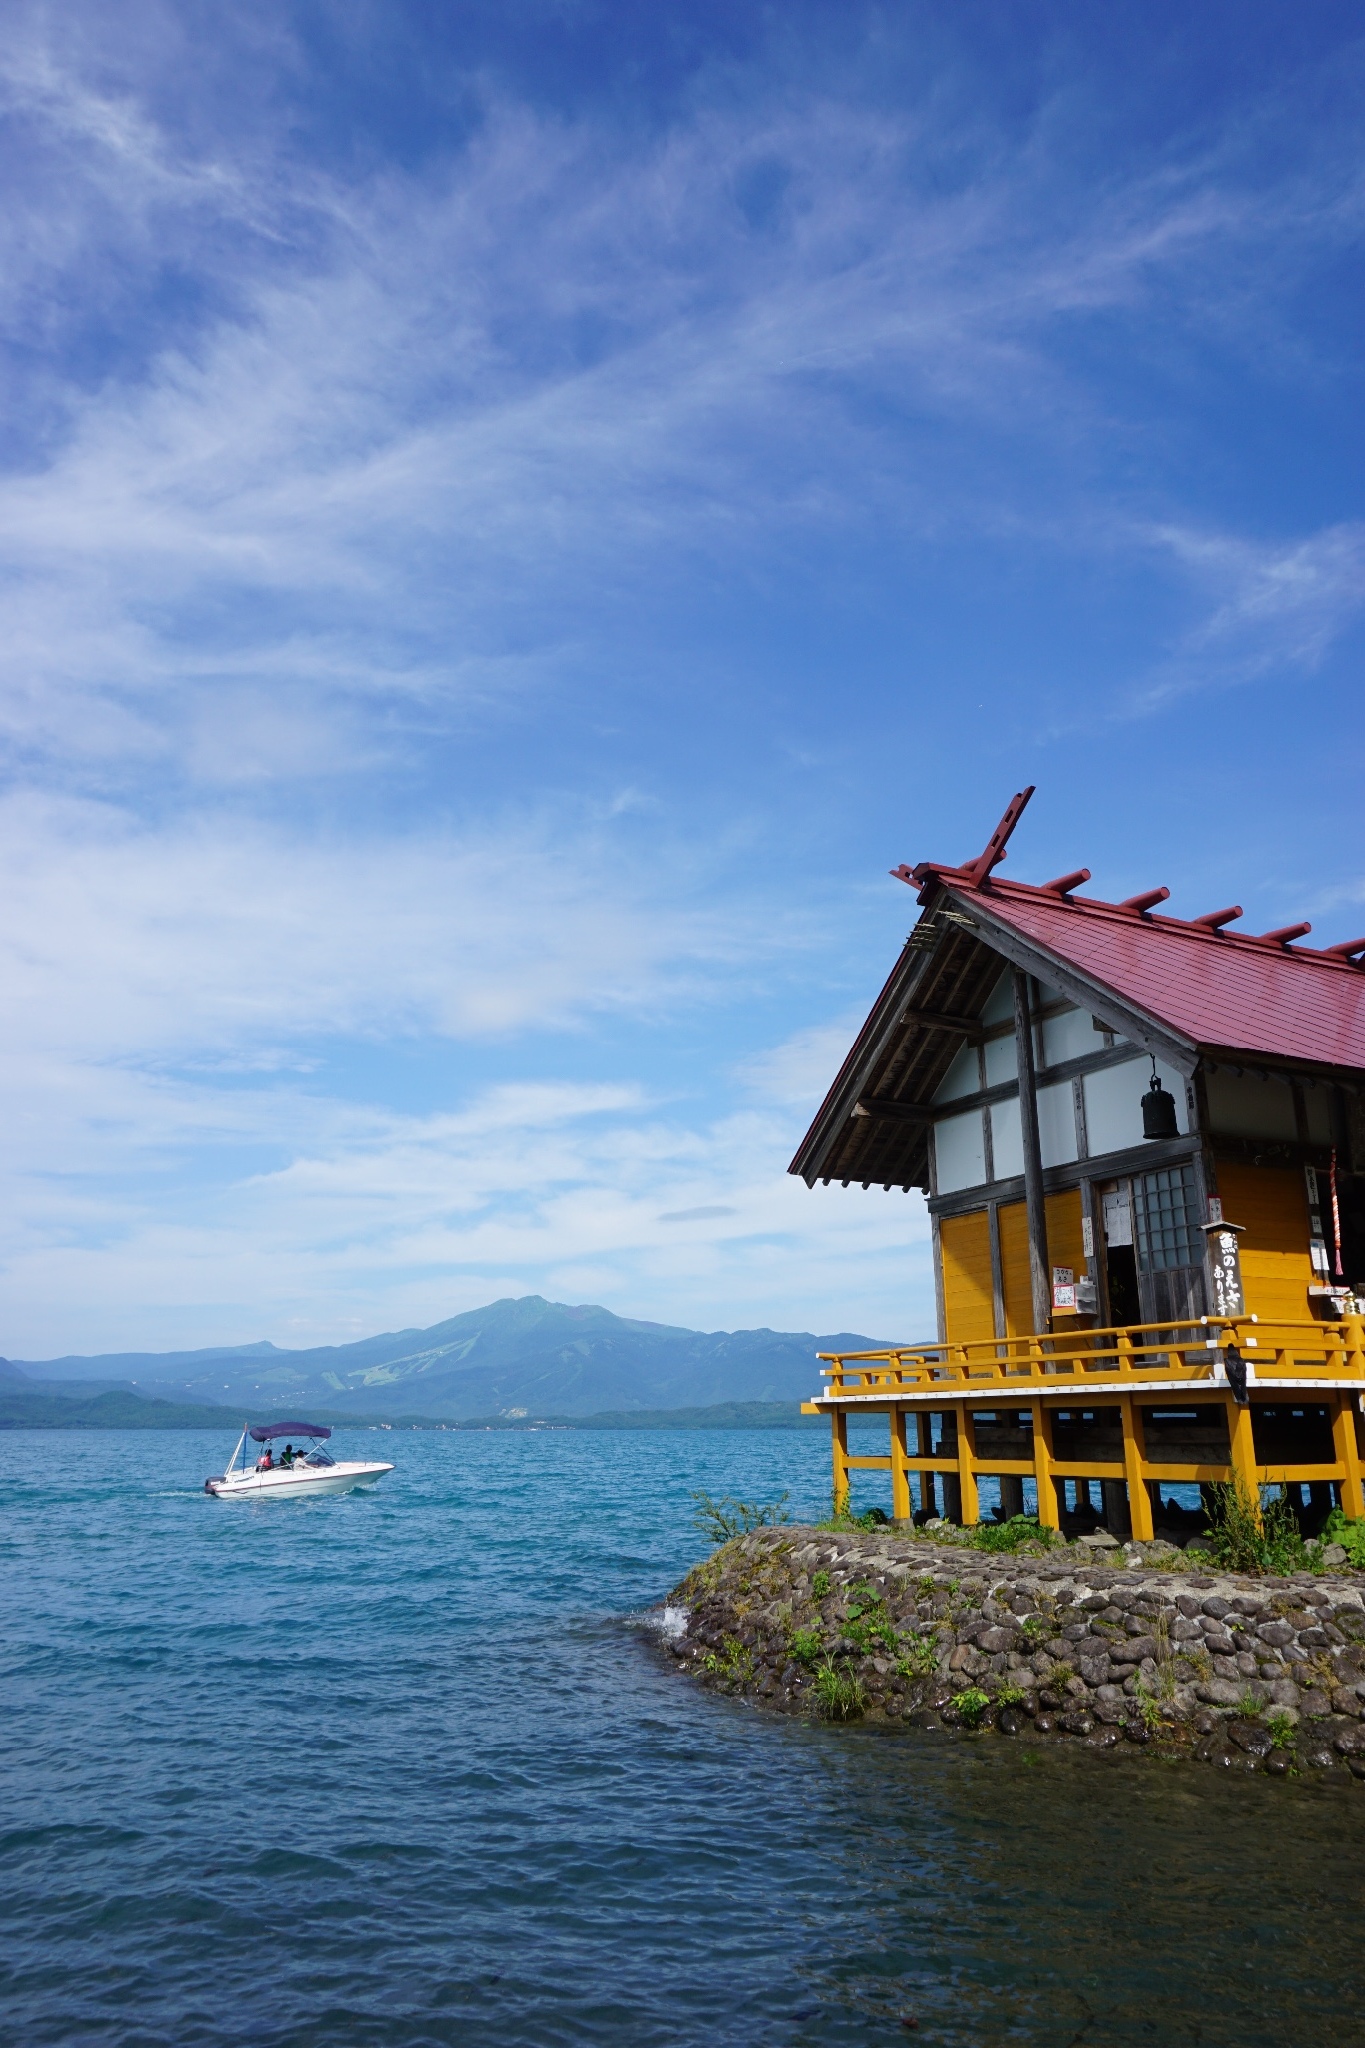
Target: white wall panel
{"x":959,"y":1152}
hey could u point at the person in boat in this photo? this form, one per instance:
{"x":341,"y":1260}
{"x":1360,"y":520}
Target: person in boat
{"x":287,"y":1460}
{"x":265,"y":1463}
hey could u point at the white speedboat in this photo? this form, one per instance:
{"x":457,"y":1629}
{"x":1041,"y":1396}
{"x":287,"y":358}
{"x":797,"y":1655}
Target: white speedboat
{"x":296,"y":1473}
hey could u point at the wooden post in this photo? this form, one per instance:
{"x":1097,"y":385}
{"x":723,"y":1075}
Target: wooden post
{"x":928,"y":1491}
{"x":1243,"y":1443}
{"x":839,"y":1449}
{"x":1348,"y":1455}
{"x":966,"y":1466}
{"x":1042,"y":1470}
{"x":1134,"y":1455}
{"x":1040,"y":1273}
{"x":900,"y":1478}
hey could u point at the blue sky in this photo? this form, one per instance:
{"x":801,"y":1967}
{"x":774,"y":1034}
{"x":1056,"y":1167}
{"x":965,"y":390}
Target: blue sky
{"x":513,"y":519}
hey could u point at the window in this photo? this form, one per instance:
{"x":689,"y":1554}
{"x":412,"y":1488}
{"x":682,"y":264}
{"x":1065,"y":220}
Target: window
{"x":1168,"y":1232}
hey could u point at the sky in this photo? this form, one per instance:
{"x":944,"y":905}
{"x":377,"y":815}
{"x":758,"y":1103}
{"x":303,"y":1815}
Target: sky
{"x":514,"y":518}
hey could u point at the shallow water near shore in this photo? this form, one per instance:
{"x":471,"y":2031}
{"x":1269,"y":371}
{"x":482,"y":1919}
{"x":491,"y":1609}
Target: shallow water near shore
{"x":404,"y":1767}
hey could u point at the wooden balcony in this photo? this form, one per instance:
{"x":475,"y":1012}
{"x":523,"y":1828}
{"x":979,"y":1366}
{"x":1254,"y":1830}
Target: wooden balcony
{"x":1051,"y":1386}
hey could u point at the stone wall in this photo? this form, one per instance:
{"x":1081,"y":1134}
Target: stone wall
{"x":1258,"y":1673}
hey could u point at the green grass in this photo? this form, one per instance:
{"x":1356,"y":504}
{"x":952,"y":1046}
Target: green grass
{"x":806,"y":1645}
{"x":838,"y":1694}
{"x":1350,"y":1535}
{"x":1255,"y":1536}
{"x":1014,"y":1534}
{"x":819,"y":1586}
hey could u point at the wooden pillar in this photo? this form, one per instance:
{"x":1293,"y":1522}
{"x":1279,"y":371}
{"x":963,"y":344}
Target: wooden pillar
{"x":838,"y":1422}
{"x":928,"y":1491}
{"x":966,"y":1466}
{"x":1243,"y":1444}
{"x":900,"y":1477}
{"x":1348,"y":1455}
{"x":1134,"y":1455}
{"x":1011,"y":1495}
{"x":1042,"y":1469}
{"x":1040,"y":1273}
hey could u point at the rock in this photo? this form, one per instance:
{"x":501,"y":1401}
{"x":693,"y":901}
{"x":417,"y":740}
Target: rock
{"x":1012,"y":1721}
{"x":1356,"y":1766}
{"x":1094,"y":1670}
{"x":1345,"y":1701}
{"x":1137,"y":1732}
{"x":1278,"y":1764}
{"x":1184,"y":1630}
{"x":1220,"y":1692}
{"x":1078,"y":1722}
{"x":1099,"y":1540}
{"x":1252,"y":1736}
{"x":1350,"y":1742}
{"x":994,"y":1640}
{"x":1277,"y":1632}
{"x":1139,"y":1647}
{"x":1282,"y":1692}
{"x":1316,"y":1705}
{"x":1204,"y":1723}
{"x":924,"y":1717}
{"x":1217,"y":1606}
{"x":1211,"y":1749}
{"x":1044,"y":1724}
{"x":1103,"y":1738}
{"x":1318,"y":1756}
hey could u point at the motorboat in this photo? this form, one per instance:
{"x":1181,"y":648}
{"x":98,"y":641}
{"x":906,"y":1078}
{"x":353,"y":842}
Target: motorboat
{"x":295,"y":1473}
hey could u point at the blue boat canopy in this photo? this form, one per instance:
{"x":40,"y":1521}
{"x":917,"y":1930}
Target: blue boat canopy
{"x":263,"y":1432}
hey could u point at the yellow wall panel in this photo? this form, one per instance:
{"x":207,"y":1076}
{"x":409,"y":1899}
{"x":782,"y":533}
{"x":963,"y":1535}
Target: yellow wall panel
{"x":1277,"y":1271}
{"x":968,"y":1296}
{"x":1064,"y":1248}
{"x":1015,"y":1269}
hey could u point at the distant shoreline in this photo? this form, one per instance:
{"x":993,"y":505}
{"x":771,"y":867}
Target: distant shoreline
{"x":119,"y":1410}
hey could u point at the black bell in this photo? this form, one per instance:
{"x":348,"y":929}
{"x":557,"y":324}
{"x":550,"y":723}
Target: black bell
{"x":1158,"y":1111}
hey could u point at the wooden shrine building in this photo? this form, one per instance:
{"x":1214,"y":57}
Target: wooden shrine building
{"x":1142,"y":1141}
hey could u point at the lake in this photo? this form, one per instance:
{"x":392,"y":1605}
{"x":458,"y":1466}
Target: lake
{"x":404,"y":1767}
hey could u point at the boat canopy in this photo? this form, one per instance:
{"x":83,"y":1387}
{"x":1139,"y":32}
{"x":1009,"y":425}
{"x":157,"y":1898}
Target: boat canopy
{"x":263,"y":1432}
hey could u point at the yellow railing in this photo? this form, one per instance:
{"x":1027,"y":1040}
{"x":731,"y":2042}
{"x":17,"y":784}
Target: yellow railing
{"x":1164,"y":1353}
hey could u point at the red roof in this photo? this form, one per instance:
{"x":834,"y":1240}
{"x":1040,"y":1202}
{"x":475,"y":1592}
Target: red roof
{"x":1216,"y":988}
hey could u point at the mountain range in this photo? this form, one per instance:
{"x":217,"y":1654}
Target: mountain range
{"x":514,"y":1357}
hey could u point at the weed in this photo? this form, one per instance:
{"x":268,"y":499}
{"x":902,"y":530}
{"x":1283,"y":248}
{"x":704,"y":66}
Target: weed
{"x":867,"y":1623}
{"x":819,"y":1586}
{"x":839,"y":1695}
{"x":733,"y":1662}
{"x":971,"y":1704}
{"x":1010,"y":1696}
{"x":1281,"y":1726}
{"x":1060,"y":1672}
{"x":1147,"y":1706}
{"x":1011,"y":1535}
{"x":806,"y":1645}
{"x":727,"y":1517}
{"x":841,"y":1515}
{"x":1252,"y":1536}
{"x":918,"y":1657}
{"x":1037,"y":1629}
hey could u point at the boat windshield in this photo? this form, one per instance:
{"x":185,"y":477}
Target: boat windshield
{"x":318,"y":1457}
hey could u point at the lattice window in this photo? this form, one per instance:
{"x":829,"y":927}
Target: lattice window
{"x":1168,"y":1230}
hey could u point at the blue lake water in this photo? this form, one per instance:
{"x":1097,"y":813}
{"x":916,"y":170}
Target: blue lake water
{"x":403,"y":1767}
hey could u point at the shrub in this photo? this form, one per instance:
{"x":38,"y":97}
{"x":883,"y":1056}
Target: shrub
{"x":733,"y":1662}
{"x":819,"y":1586}
{"x":727,"y":1517}
{"x":1350,"y":1535}
{"x":841,"y":1515}
{"x":918,"y":1657}
{"x":867,"y":1623}
{"x":971,"y":1704}
{"x":806,"y":1645}
{"x":838,"y":1694}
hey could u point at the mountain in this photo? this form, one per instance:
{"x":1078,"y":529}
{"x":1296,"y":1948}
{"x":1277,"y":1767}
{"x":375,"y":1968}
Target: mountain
{"x":537,"y":1356}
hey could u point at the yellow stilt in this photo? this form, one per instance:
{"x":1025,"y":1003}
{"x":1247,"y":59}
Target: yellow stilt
{"x":1243,"y":1452}
{"x":838,"y":1422}
{"x":1134,"y":1452}
{"x":1042,"y":1469}
{"x":1348,"y":1455}
{"x":966,"y":1468}
{"x":900,"y":1477}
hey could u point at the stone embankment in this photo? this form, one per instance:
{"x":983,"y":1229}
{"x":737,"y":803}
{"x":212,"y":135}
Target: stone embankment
{"x":1260,"y":1673}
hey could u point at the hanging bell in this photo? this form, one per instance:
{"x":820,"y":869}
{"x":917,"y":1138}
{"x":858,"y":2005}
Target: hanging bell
{"x":1158,"y":1110}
